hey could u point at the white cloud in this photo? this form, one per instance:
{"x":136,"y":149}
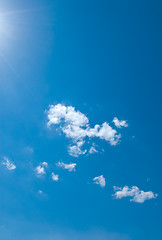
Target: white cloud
{"x":40,"y":170}
{"x":135,"y":193}
{"x":45,"y":164}
{"x":55,"y":177}
{"x":75,"y":125}
{"x":107,"y":133}
{"x":8,"y":163}
{"x":70,"y":167}
{"x":119,"y":123}
{"x":60,"y":112}
{"x":100,"y":180}
{"x":75,"y":150}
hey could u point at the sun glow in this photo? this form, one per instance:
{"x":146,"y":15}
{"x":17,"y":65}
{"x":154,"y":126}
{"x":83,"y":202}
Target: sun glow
{"x":2,"y":24}
{"x":24,"y":33}
{"x":13,"y":23}
{"x":7,"y":30}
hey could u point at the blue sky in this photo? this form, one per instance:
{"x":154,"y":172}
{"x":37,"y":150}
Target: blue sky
{"x":80,"y":146}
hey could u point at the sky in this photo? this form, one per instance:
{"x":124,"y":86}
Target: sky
{"x":80,"y":145}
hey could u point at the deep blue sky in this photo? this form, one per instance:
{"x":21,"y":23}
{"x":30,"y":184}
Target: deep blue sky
{"x":104,"y":58}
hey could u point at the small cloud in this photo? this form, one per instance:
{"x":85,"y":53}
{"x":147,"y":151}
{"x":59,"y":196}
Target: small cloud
{"x":55,"y":177}
{"x":70,"y":167}
{"x":42,"y":195}
{"x":134,"y":193}
{"x":75,"y":150}
{"x":100,"y":180}
{"x":45,"y":164}
{"x":92,"y":150}
{"x":40,"y":170}
{"x":40,"y":191}
{"x":8,"y":164}
{"x":119,"y":123}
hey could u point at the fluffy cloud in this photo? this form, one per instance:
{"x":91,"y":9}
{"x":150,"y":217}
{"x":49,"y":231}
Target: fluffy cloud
{"x":45,"y":164}
{"x":70,"y":167}
{"x":40,"y":170}
{"x":100,"y":180}
{"x":60,"y":112}
{"x":9,"y":165}
{"x":75,"y":125}
{"x":55,"y":177}
{"x":119,"y":123}
{"x":135,"y":193}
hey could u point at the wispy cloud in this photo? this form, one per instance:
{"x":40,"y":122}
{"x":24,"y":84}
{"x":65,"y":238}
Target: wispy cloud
{"x":40,"y":192}
{"x":9,"y":165}
{"x":135,"y":193}
{"x":46,"y":231}
{"x":29,"y":150}
{"x":119,"y":123}
{"x":93,"y":150}
{"x":100,"y":180}
{"x":70,"y":167}
{"x":75,"y":125}
{"x":75,"y":235}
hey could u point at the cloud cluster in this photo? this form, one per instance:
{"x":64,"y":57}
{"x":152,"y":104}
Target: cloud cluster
{"x":135,"y":193}
{"x":100,"y":180}
{"x":75,"y":125}
{"x":70,"y":167}
{"x":9,"y":165}
{"x":119,"y":123}
{"x":40,"y":170}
